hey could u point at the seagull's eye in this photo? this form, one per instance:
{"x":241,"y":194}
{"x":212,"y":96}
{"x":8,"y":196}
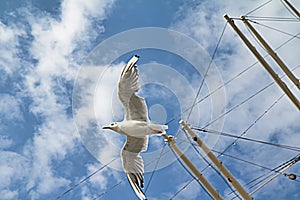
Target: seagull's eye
{"x":112,"y":124}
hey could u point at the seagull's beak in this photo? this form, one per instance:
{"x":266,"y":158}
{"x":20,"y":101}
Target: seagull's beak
{"x":105,"y":127}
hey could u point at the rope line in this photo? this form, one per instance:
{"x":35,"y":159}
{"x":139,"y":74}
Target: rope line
{"x":85,"y":179}
{"x":155,"y":167}
{"x":181,"y":189}
{"x":207,"y":70}
{"x":195,"y":101}
{"x":250,"y":97}
{"x":269,"y":18}
{"x":238,"y":105}
{"x":278,"y":168}
{"x":288,"y":147}
{"x":209,"y":164}
{"x":234,"y":77}
{"x":275,"y":170}
{"x":243,"y":160}
{"x":290,"y":10}
{"x":259,"y":7}
{"x":109,"y":189}
{"x":251,"y":125}
{"x":275,"y":29}
{"x":256,"y":40}
{"x":190,"y":173}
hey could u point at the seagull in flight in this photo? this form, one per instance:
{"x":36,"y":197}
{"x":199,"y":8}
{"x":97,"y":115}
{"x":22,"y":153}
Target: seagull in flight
{"x":136,"y":126}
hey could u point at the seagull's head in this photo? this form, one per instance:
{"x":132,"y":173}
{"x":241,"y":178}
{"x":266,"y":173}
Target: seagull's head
{"x":113,"y":126}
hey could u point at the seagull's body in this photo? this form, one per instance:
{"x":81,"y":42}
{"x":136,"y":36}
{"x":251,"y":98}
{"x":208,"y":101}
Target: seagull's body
{"x":136,"y":126}
{"x":139,"y":128}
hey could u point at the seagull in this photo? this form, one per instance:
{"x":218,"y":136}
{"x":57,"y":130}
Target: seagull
{"x":136,"y":126}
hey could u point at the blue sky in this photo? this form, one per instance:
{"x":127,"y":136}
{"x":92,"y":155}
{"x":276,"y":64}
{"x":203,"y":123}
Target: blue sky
{"x":58,"y":87}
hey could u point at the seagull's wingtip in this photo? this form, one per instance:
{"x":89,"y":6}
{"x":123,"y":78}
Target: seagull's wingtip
{"x":135,"y":186}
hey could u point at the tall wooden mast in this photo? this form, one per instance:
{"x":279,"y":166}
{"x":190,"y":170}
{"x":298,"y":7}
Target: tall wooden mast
{"x":272,"y":53}
{"x":222,"y":169}
{"x":205,"y":183}
{"x":264,"y":63}
{"x":292,"y":8}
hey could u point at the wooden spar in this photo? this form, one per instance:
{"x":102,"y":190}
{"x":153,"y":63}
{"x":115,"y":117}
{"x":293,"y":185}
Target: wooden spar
{"x":281,"y":84}
{"x":292,"y":8}
{"x":224,"y":171}
{"x":272,"y":53}
{"x":209,"y":188}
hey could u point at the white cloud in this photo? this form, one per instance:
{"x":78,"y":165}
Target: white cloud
{"x":46,"y":84}
{"x":95,"y":105}
{"x":14,"y":169}
{"x":10,"y":110}
{"x":7,"y":194}
{"x":100,"y":179}
{"x":5,"y":142}
{"x":9,"y":41}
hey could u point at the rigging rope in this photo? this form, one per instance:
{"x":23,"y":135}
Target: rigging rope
{"x":275,"y":170}
{"x":155,"y":167}
{"x":288,"y":147}
{"x":212,"y":166}
{"x":247,"y":129}
{"x":238,"y":105}
{"x":256,"y":40}
{"x":268,"y":18}
{"x":275,"y":29}
{"x":289,"y":10}
{"x":207,"y":70}
{"x":237,"y":158}
{"x":233,"y":78}
{"x":278,"y":168}
{"x":247,"y":99}
{"x":259,"y":7}
{"x":109,"y":189}
{"x":190,"y":173}
{"x":85,"y":179}
{"x":195,"y":101}
{"x":181,"y":189}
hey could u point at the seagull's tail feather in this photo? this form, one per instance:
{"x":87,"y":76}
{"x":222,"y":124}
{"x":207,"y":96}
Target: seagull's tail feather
{"x":135,"y":186}
{"x":158,"y":128}
{"x":164,"y":127}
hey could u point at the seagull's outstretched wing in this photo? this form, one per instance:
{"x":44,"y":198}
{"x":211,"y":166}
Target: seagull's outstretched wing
{"x":133,"y":163}
{"x":135,"y":106}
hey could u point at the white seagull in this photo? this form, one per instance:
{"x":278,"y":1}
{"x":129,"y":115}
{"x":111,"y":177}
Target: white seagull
{"x":136,"y":126}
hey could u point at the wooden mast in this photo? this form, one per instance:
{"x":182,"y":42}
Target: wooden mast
{"x":209,"y":188}
{"x":292,"y":8}
{"x":264,"y":63}
{"x":272,"y":53}
{"x":222,"y":169}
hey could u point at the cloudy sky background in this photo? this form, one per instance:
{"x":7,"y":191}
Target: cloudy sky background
{"x":45,"y":44}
